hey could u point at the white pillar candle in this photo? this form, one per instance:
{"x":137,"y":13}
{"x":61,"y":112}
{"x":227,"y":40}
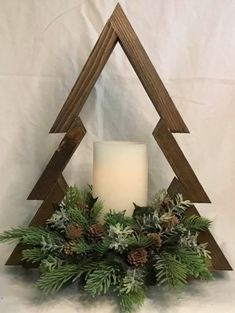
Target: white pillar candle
{"x":120,"y":174}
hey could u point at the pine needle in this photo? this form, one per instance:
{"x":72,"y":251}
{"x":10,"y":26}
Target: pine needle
{"x":34,"y":255}
{"x":170,"y":271}
{"x":132,"y":300}
{"x":100,"y":280}
{"x":197,"y":266}
{"x":112,"y":218}
{"x":195,"y":223}
{"x":82,"y":247}
{"x":136,"y":241}
{"x":30,"y":235}
{"x":52,"y":281}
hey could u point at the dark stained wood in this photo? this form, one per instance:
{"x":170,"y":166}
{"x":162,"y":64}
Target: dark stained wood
{"x":146,"y":72}
{"x":58,"y":161}
{"x":179,"y":163}
{"x":118,"y":28}
{"x":56,"y":194}
{"x":86,"y":80}
{"x":219,"y":261}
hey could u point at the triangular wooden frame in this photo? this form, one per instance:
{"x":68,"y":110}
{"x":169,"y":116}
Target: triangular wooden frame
{"x":51,"y":186}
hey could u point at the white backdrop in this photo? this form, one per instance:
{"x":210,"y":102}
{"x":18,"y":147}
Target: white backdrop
{"x":44,"y":45}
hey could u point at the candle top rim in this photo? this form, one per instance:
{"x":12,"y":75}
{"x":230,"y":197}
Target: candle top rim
{"x":119,"y":142}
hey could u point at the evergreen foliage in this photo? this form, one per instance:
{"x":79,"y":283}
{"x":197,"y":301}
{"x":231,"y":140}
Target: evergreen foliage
{"x":113,"y":218}
{"x":196,"y":223}
{"x":95,"y":212}
{"x":59,"y":219}
{"x":197,"y":265}
{"x":50,"y":263}
{"x":119,"y":255}
{"x":33,"y":255}
{"x":132,"y":300}
{"x":136,"y":241}
{"x":82,"y":247}
{"x":170,"y":271}
{"x":100,"y":280}
{"x":31,"y":236}
{"x":119,"y":236}
{"x":102,"y":247}
{"x":133,"y":281}
{"x":52,"y":281}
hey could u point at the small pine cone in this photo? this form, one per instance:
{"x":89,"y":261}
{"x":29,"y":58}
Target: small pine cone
{"x":74,"y":232}
{"x":170,"y":221}
{"x":173,"y":221}
{"x":96,"y":232}
{"x":68,"y":249}
{"x":156,"y":240}
{"x":137,"y":257}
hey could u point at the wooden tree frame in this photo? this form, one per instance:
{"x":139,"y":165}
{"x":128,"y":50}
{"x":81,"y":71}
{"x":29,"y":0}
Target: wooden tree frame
{"x":51,"y":186}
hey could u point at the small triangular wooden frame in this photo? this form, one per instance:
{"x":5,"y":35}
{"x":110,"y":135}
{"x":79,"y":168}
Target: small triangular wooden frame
{"x":51,"y":186}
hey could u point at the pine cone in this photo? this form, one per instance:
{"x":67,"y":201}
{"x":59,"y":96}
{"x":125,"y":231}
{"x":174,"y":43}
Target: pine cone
{"x":96,"y":232}
{"x":74,"y":232}
{"x":156,"y":240}
{"x":137,"y":257}
{"x":170,"y":221}
{"x":68,"y":249}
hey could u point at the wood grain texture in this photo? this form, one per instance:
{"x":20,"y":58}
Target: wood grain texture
{"x":219,"y":261}
{"x":58,"y":161}
{"x":179,"y":163}
{"x":146,"y":72}
{"x":56,"y":194}
{"x":86,"y":80}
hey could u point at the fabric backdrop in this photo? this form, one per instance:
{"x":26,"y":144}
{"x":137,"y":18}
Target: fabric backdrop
{"x":44,"y":45}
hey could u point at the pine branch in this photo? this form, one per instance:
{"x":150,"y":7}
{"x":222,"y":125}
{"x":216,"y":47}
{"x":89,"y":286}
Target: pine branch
{"x":148,"y":222}
{"x":102,"y":247}
{"x":136,"y":241}
{"x":170,"y":271}
{"x":195,"y":223}
{"x":78,"y":216}
{"x":82,"y":247}
{"x":132,"y":300}
{"x":95,"y":212}
{"x":50,"y":263}
{"x":52,"y":281}
{"x":30,"y":235}
{"x":13,"y":234}
{"x":73,"y":197}
{"x":100,"y":280}
{"x":196,"y":265}
{"x":189,"y":240}
{"x":132,"y":282}
{"x":112,"y":218}
{"x":34,"y":255}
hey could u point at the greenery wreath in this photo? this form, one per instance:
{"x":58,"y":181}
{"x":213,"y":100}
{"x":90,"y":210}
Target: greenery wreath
{"x":115,"y":253}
